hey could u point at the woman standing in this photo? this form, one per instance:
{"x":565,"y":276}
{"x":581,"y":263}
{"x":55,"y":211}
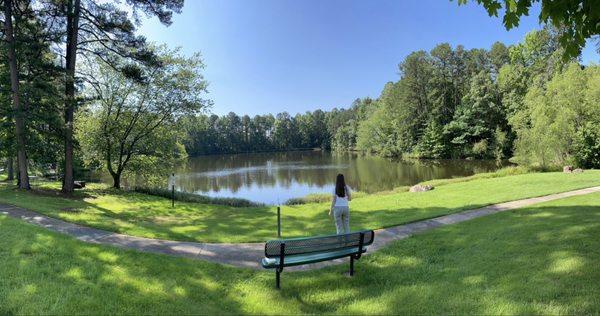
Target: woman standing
{"x":339,"y":205}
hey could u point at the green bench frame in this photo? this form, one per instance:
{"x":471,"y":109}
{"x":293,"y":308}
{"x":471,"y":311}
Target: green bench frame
{"x":299,"y":251}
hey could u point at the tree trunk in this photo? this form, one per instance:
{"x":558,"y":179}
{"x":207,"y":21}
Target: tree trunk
{"x":116,"y":180}
{"x":19,"y":111}
{"x":10,"y":172}
{"x":70,"y":60}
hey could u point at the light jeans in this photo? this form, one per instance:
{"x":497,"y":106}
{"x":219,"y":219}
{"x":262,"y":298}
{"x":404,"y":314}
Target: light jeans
{"x":341,"y":214}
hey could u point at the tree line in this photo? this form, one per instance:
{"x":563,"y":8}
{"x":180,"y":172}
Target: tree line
{"x":231,"y":133}
{"x":524,"y":101}
{"x":80,"y":89}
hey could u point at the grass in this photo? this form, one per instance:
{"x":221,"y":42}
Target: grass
{"x":150,"y":216}
{"x":196,"y":198}
{"x":537,"y":260}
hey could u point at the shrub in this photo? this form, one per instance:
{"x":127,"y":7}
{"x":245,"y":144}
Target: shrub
{"x":587,"y":146}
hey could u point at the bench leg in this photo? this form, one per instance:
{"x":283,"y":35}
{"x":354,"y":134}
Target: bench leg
{"x":277,"y":279}
{"x":351,"y":265}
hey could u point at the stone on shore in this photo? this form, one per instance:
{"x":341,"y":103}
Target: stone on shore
{"x":421,"y":188}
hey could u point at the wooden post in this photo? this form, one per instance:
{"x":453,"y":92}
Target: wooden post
{"x":172,"y":185}
{"x":278,"y":221}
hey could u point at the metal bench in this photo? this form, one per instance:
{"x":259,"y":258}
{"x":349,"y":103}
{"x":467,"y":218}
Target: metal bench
{"x":298,"y":251}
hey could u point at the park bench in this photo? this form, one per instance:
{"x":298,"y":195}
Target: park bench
{"x":299,"y":251}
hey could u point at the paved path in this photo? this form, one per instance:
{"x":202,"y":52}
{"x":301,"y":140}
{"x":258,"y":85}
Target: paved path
{"x":249,"y":254}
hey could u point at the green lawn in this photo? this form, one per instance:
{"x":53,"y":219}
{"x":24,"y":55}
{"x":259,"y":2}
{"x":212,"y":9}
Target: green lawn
{"x":149,"y":216}
{"x":537,"y":260}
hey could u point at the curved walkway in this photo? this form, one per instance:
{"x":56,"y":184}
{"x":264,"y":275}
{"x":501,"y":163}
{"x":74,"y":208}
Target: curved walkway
{"x":249,"y":254}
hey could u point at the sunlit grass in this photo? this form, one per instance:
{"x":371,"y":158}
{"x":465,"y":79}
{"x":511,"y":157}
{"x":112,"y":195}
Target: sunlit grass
{"x":150,"y":216}
{"x":537,"y":260}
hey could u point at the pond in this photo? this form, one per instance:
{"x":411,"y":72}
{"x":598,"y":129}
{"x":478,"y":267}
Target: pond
{"x":273,"y":178}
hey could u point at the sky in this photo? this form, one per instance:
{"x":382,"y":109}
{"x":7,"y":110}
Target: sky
{"x":270,"y":56}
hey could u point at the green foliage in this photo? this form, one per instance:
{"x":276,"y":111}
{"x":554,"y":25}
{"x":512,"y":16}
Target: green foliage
{"x":557,"y":113}
{"x":131,"y":128}
{"x":500,"y":144}
{"x":39,"y":83}
{"x":587,"y":146}
{"x":433,"y":143}
{"x":345,"y":137}
{"x":385,"y":131}
{"x":577,"y":20}
{"x":234,"y":134}
{"x":445,"y":102}
{"x":475,"y":118}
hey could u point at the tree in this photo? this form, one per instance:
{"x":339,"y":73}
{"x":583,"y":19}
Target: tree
{"x":433,"y":143}
{"x":499,"y":56}
{"x":130,"y":122}
{"x":476,"y":118}
{"x":285,"y":133}
{"x":578,"y":20}
{"x":18,"y":108}
{"x":587,"y":146}
{"x":98,"y":31}
{"x":558,"y":114}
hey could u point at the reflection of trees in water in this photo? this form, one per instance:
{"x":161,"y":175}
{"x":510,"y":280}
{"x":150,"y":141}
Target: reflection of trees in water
{"x":365,"y":173}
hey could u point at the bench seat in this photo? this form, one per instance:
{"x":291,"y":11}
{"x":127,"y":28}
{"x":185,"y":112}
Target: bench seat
{"x":296,"y":260}
{"x":298,"y":251}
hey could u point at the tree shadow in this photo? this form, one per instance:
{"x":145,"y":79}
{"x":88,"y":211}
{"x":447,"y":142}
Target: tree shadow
{"x":538,"y":260}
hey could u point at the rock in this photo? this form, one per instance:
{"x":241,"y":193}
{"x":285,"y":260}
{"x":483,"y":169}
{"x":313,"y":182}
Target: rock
{"x":421,"y":188}
{"x":578,"y":170}
{"x":568,"y":169}
{"x":78,"y":184}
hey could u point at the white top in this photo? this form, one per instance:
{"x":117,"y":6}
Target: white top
{"x":342,"y":201}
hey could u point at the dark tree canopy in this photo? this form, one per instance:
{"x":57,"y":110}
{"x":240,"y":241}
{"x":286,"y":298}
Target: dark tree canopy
{"x":578,"y":20}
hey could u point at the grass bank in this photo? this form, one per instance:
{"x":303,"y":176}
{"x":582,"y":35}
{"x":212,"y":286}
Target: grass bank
{"x":536,"y":260}
{"x":150,"y":216}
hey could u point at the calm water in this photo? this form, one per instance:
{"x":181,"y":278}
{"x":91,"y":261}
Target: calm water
{"x":276,"y":177}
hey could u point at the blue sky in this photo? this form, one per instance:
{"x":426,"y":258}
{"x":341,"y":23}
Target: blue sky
{"x":269,"y":56}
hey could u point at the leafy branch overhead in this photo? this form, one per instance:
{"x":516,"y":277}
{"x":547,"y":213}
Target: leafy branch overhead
{"x":577,"y":20}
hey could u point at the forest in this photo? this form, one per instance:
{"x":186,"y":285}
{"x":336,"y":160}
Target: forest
{"x":525,"y":101}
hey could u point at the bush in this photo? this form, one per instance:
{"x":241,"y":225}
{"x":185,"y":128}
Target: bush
{"x":587,"y":146}
{"x":480,"y":148}
{"x":195,"y":198}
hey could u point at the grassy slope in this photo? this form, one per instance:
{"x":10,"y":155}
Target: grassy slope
{"x":149,"y":216}
{"x":541,"y":260}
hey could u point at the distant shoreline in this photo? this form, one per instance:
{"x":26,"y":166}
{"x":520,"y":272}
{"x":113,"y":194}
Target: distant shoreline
{"x":261,"y":151}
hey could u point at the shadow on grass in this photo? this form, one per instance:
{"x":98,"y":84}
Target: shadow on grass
{"x":540,"y":260}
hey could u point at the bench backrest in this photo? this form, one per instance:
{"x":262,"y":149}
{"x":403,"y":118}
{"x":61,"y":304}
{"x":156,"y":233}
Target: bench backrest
{"x":299,"y":246}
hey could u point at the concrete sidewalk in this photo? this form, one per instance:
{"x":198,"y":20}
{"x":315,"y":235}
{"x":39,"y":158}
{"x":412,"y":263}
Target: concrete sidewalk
{"x":249,"y":254}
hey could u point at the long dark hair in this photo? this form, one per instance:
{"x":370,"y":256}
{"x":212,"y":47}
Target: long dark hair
{"x":340,"y":186}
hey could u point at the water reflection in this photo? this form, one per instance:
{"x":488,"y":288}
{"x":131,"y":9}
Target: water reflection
{"x":275,"y":177}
